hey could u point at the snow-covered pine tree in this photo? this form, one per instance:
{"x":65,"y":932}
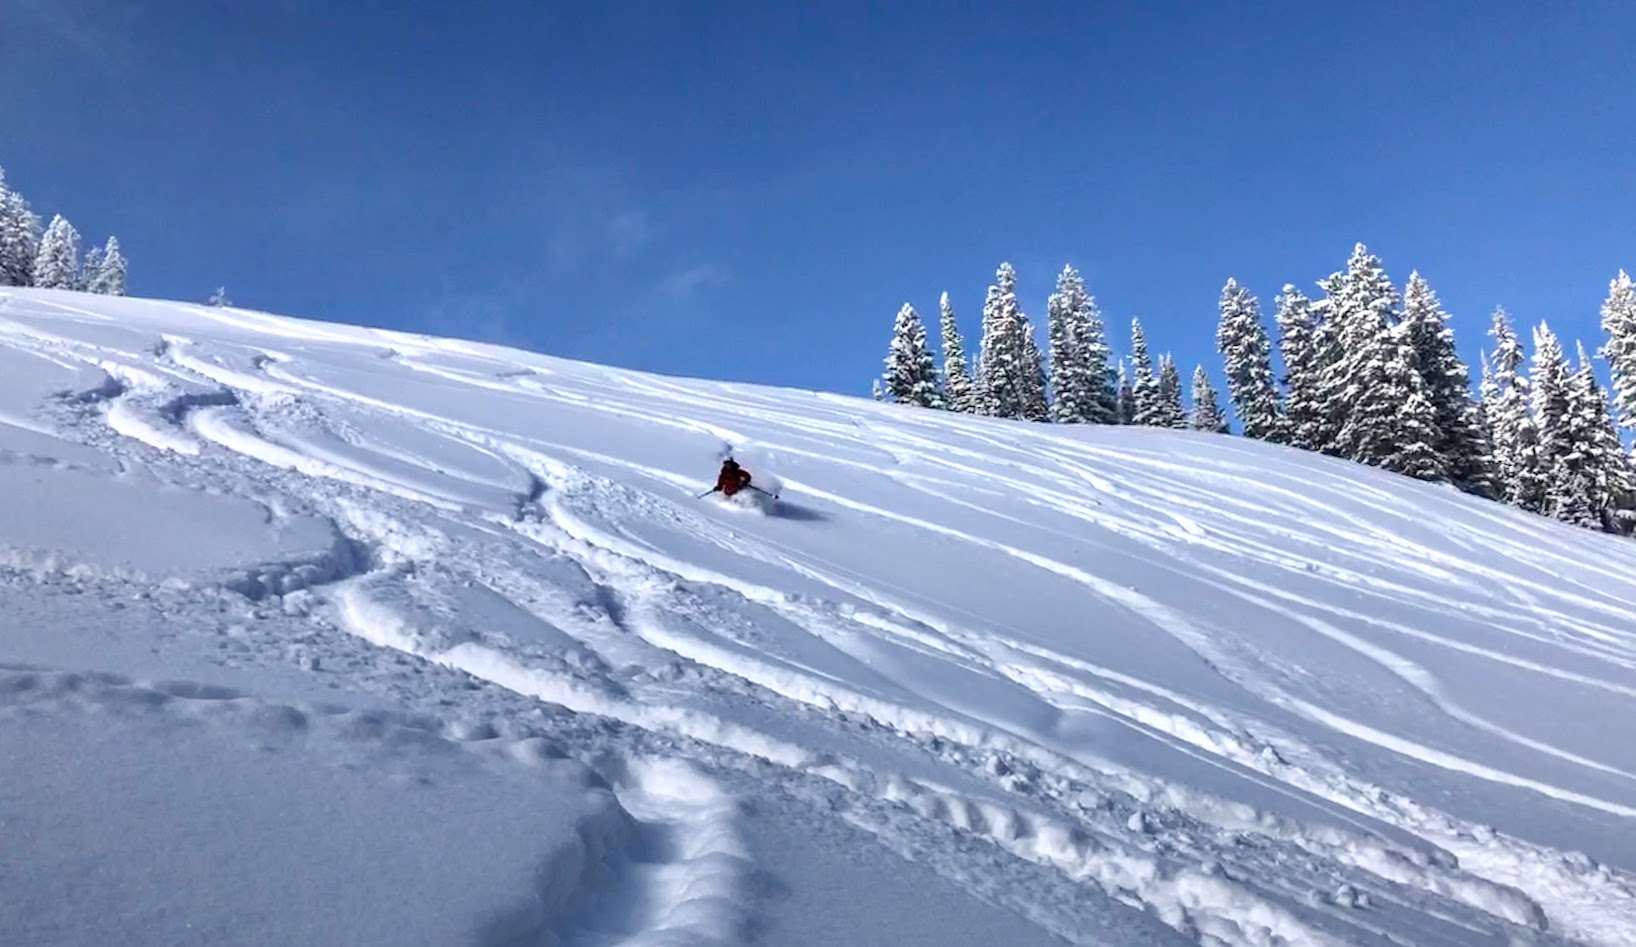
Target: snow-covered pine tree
{"x":111,"y":270}
{"x":56,"y":266}
{"x":911,"y":374}
{"x":1036,"y":406}
{"x":1242,"y":341}
{"x":1171,"y":413}
{"x":19,"y":237}
{"x":876,"y":391}
{"x":1144,"y":384}
{"x":219,"y":297}
{"x":90,"y":270}
{"x":957,"y":387}
{"x":1561,"y":451}
{"x":1297,"y":345}
{"x":1519,"y":474}
{"x":1607,"y":476}
{"x":1082,"y":376}
{"x":1073,"y":390}
{"x":1619,"y":322}
{"x":1373,"y":388}
{"x":1447,"y":383}
{"x":1012,"y":379}
{"x":1206,"y":414}
{"x":1127,"y":396}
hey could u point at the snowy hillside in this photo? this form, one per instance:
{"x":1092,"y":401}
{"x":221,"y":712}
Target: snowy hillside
{"x":320,"y":635}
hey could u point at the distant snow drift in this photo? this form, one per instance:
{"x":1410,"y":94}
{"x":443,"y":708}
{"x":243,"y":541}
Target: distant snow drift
{"x":320,"y":634}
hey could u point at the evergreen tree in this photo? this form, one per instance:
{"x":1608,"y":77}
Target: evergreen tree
{"x":1145,"y":408}
{"x":1372,"y":391}
{"x":876,"y":391}
{"x":1242,"y":341}
{"x":1619,"y":322}
{"x":19,"y":237}
{"x":1171,"y":413}
{"x":1297,"y":345}
{"x":1560,"y":454}
{"x":1035,"y":405}
{"x":911,"y":374}
{"x":1520,"y":476}
{"x":57,"y":264}
{"x":1012,"y":381}
{"x":1207,"y":414}
{"x":219,"y":297}
{"x":109,"y":279}
{"x":1447,"y":383}
{"x":1081,"y":379}
{"x":90,"y":270}
{"x":1604,"y":472}
{"x":957,"y":385}
{"x":1127,"y":396}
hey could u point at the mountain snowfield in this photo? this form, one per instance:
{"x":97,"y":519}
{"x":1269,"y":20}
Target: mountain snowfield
{"x":328,"y":635}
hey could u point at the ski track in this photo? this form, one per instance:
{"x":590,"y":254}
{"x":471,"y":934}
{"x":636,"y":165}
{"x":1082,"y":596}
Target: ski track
{"x":675,"y":869}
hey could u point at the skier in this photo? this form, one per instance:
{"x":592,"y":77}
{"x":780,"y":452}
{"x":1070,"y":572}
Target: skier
{"x":732,"y":478}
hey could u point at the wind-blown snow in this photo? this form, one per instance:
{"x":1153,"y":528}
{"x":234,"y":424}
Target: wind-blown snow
{"x":320,"y":634}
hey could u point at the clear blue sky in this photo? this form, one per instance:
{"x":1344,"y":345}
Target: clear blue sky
{"x":744,"y":190}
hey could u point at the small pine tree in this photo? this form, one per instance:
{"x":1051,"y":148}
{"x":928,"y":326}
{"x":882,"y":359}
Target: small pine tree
{"x":19,"y":237}
{"x":1127,"y":396}
{"x":1297,"y":344}
{"x":957,"y":386}
{"x":1604,"y":471}
{"x":1146,"y":409}
{"x":1035,"y":405}
{"x":1520,"y":477}
{"x":1171,"y":413}
{"x":219,"y":297}
{"x":1082,"y":378}
{"x":1619,"y":322}
{"x":90,"y":270}
{"x":1207,"y":414}
{"x":110,"y":272}
{"x":876,"y":391}
{"x":57,"y":264}
{"x":1447,"y":384}
{"x":1242,"y":341}
{"x":911,"y":374}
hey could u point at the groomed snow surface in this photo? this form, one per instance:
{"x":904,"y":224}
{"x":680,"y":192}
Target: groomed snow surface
{"x":314,"y":634}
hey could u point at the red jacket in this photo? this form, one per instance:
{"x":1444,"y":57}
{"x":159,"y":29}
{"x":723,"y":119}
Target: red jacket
{"x":732,"y":479}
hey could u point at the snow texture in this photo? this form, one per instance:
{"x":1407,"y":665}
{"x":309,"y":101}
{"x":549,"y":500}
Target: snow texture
{"x":322,"y":634}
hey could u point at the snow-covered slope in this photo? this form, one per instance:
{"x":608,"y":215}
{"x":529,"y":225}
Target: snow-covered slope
{"x":323,"y":635}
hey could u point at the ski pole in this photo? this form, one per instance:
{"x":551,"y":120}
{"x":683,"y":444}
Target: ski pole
{"x":761,"y":491}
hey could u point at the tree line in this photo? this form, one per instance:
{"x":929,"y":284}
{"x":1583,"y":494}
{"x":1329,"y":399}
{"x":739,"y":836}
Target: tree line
{"x":1364,"y":372}
{"x":50,"y":259}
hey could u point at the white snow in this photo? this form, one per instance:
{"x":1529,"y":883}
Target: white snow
{"x":322,"y":634}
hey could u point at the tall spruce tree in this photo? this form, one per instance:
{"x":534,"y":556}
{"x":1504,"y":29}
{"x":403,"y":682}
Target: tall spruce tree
{"x":1619,"y":322}
{"x":1372,"y":388}
{"x":911,"y":374}
{"x":110,"y":275}
{"x":957,"y":385}
{"x":1566,"y":491}
{"x":1144,"y":384}
{"x":1011,"y":377}
{"x":1081,"y":382}
{"x":90,"y":270}
{"x":1127,"y":396}
{"x":19,"y":237}
{"x":1447,"y":383}
{"x":1171,"y":413}
{"x":56,"y":266}
{"x":1206,"y":414}
{"x":1605,"y":470}
{"x":1297,"y":345}
{"x":1242,"y":341}
{"x":1520,"y":476}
